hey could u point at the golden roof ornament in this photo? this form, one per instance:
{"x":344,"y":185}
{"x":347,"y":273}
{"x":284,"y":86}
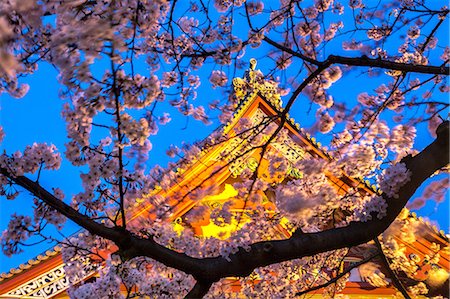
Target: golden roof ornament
{"x":254,"y":83}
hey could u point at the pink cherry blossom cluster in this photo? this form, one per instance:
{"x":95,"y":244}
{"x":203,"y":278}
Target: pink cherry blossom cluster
{"x":79,"y":122}
{"x":218,"y":79}
{"x":34,"y":157}
{"x":359,"y":161}
{"x":255,"y":7}
{"x":254,"y":185}
{"x":393,"y":178}
{"x":402,"y":139}
{"x":316,"y":91}
{"x":378,"y":33}
{"x":325,"y":123}
{"x":18,"y":231}
{"x":371,"y":204}
{"x":287,"y":278}
{"x":169,"y":79}
{"x":105,"y":286}
{"x":139,"y":91}
{"x":42,"y":211}
{"x":311,"y":195}
{"x":332,"y":29}
{"x":136,"y":131}
{"x":222,"y":216}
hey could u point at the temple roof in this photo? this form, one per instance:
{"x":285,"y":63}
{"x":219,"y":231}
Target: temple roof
{"x":253,"y":87}
{"x":31,"y":263}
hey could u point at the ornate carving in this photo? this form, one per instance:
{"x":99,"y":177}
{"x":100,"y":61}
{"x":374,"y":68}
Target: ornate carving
{"x":237,"y":166}
{"x":44,"y":286}
{"x":287,"y":148}
{"x":254,"y":82}
{"x":290,"y":150}
{"x":48,"y":284}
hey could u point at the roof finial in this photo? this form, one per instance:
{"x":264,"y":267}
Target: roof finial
{"x":253,"y":64}
{"x":254,"y":83}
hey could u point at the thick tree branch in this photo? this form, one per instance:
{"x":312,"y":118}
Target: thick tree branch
{"x":366,"y":62}
{"x":209,"y":270}
{"x":390,"y":65}
{"x":126,"y":242}
{"x":63,"y":208}
{"x":395,"y":281}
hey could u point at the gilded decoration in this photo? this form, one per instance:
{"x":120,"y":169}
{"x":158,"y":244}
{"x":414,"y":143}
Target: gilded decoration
{"x":238,"y":153}
{"x":253,"y":83}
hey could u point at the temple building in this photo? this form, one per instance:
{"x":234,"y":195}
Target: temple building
{"x":258,"y":99}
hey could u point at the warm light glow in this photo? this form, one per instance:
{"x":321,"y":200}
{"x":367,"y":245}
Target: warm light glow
{"x":227,"y":193}
{"x":223,"y":232}
{"x":212,"y":230}
{"x":437,"y":277}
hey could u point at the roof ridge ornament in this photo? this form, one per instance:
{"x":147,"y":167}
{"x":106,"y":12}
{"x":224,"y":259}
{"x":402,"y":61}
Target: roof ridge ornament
{"x":254,"y":83}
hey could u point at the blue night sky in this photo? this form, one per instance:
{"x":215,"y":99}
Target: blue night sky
{"x":36,"y":118}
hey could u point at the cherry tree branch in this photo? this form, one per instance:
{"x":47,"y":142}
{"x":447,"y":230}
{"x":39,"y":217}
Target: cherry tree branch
{"x":120,"y":136}
{"x":433,"y":31}
{"x":367,"y":62}
{"x":120,"y":236}
{"x":395,"y":281}
{"x":265,"y":253}
{"x":209,"y":270}
{"x":292,"y":52}
{"x":82,"y":220}
{"x":390,"y":65}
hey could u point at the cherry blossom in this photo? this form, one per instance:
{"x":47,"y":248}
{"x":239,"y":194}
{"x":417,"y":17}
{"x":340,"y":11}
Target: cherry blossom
{"x":218,"y":78}
{"x":127,"y":68}
{"x":393,"y":178}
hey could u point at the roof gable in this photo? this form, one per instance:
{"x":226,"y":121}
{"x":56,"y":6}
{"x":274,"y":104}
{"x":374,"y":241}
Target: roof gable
{"x":257,"y":100}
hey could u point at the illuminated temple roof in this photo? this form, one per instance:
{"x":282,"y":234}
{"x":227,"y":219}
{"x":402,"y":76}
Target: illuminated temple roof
{"x":44,"y":276}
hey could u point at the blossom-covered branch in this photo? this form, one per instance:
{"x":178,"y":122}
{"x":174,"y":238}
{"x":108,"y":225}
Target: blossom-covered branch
{"x":365,"y":61}
{"x":242,"y":263}
{"x":395,"y":281}
{"x":123,"y":239}
{"x":287,"y":207}
{"x":390,"y":65}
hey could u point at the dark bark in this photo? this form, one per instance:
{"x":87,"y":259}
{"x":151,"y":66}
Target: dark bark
{"x":365,"y":61}
{"x":395,"y":281}
{"x":390,"y":65}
